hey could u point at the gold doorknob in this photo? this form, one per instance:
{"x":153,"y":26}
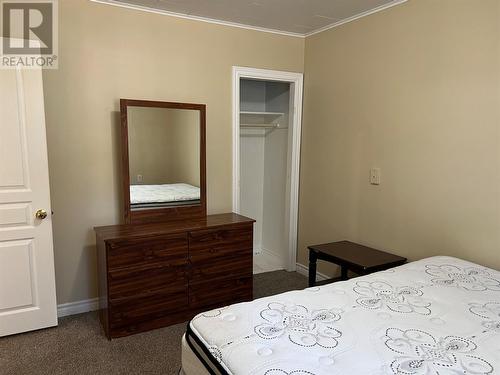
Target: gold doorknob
{"x":41,"y":214}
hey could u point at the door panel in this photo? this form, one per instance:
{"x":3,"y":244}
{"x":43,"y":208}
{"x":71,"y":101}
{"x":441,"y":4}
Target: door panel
{"x":27,"y":280}
{"x":13,"y":175}
{"x":17,"y":291}
{"x":15,"y":214}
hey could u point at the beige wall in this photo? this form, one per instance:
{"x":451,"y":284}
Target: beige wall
{"x":107,"y":53}
{"x":164,"y":145}
{"x":413,"y":90}
{"x":185,"y":147}
{"x":148,"y":134}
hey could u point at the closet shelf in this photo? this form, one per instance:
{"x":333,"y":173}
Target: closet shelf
{"x":262,"y":126}
{"x":260,"y":119}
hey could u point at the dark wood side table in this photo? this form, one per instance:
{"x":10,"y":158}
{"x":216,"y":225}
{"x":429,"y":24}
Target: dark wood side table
{"x":350,"y":256}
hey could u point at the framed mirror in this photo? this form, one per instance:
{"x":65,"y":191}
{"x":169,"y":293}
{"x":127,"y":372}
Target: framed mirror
{"x":163,"y":160}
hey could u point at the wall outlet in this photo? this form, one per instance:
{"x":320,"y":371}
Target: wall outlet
{"x":375,"y":176}
{"x":139,"y":178}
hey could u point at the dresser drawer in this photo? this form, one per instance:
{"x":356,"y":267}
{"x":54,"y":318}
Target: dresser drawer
{"x":147,"y":251}
{"x":132,"y":281}
{"x":206,"y":244}
{"x":218,"y":293}
{"x":158,"y":274}
{"x":151,"y":306}
{"x":222,"y":268}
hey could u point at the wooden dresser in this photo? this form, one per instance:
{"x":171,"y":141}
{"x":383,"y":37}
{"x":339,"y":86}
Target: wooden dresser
{"x":157,"y":274}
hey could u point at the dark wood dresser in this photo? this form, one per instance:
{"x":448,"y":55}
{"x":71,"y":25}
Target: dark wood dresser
{"x":157,"y":274}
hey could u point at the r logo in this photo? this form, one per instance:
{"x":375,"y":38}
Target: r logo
{"x":25,"y":22}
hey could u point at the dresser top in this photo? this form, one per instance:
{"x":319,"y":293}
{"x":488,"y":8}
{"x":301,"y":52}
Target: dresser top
{"x":112,"y":232}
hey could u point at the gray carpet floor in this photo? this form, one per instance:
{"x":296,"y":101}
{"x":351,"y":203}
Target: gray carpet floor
{"x":77,"y":345}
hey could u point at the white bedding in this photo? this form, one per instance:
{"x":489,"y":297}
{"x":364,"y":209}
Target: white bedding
{"x":440,"y":315}
{"x":163,"y":193}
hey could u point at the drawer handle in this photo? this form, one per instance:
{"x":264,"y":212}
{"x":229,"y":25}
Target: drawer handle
{"x":212,"y":250}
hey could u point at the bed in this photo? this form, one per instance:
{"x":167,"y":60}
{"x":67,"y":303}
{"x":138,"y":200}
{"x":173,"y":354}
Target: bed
{"x":440,"y":315}
{"x":143,"y":196}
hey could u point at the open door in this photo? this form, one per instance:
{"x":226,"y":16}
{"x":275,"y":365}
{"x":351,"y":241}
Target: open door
{"x":27,"y":280}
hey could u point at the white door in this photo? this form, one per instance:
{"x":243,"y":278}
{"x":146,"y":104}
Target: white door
{"x":27,"y":280}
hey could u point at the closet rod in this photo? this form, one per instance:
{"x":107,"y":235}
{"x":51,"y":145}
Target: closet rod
{"x":264,"y":126}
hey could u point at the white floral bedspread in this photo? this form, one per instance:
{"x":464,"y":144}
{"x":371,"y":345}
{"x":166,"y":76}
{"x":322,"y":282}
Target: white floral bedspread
{"x":163,"y":193}
{"x":439,"y":315}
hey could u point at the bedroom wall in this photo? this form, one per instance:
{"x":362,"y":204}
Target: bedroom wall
{"x":184,"y":162}
{"x":146,"y":143}
{"x":274,"y":235}
{"x":107,"y":53}
{"x":276,"y":171}
{"x":413,"y":90}
{"x":252,"y":159}
{"x":164,"y":145}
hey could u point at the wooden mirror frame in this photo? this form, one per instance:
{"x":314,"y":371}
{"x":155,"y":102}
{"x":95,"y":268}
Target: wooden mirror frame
{"x":162,"y":213}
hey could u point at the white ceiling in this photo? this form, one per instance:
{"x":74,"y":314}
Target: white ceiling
{"x":299,"y":17}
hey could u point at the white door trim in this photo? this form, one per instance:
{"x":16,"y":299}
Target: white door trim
{"x":297,"y":79}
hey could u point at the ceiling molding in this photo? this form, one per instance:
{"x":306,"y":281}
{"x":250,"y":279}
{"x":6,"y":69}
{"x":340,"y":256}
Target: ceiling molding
{"x":121,"y":4}
{"x":197,"y":18}
{"x":356,"y":17}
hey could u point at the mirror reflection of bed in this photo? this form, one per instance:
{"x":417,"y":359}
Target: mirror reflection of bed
{"x":164,"y":157}
{"x":163,"y":195}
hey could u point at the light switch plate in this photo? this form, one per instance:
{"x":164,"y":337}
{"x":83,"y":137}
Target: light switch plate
{"x":375,"y":176}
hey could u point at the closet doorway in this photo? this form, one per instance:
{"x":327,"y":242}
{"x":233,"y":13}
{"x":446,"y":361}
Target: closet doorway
{"x":267,"y":114}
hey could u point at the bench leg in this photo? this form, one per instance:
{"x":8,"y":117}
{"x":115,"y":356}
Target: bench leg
{"x":312,"y":268}
{"x":343,"y":273}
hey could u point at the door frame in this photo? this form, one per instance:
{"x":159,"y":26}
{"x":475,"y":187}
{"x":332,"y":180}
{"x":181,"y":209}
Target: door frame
{"x":297,"y":81}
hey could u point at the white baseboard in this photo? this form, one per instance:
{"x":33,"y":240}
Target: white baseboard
{"x":303,"y":270}
{"x":78,"y":307}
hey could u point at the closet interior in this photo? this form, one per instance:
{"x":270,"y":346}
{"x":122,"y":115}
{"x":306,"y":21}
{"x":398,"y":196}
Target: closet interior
{"x":266,"y":110}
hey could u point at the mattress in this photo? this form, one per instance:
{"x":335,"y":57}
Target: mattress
{"x":145,"y":194}
{"x":440,"y":315}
